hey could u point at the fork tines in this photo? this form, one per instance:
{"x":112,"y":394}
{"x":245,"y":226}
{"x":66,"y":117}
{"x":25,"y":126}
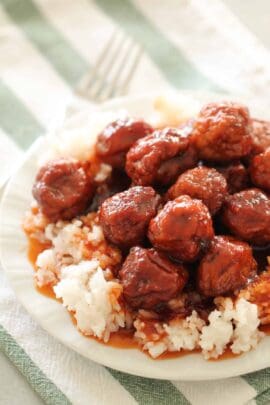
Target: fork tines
{"x":112,"y":73}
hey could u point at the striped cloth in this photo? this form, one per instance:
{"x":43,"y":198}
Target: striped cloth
{"x":46,"y":46}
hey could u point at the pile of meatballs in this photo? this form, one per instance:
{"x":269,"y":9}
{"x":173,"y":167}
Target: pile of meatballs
{"x":186,"y":205}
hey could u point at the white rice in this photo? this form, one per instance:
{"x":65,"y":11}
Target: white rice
{"x":184,"y":334}
{"x":103,"y":173}
{"x":93,"y":300}
{"x":215,"y":336}
{"x":66,"y":239}
{"x":96,"y":236}
{"x":69,"y":242}
{"x":231,"y":325}
{"x":35,"y":224}
{"x":86,"y":289}
{"x":173,"y":109}
{"x":47,"y":273}
{"x":246,"y":335}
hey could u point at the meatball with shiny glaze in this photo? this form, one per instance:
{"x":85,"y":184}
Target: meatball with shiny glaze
{"x":149,"y":278}
{"x":247,"y":216}
{"x":260,"y":133}
{"x":183,"y":229}
{"x":203,"y":183}
{"x":222,"y":132}
{"x":260,"y":170}
{"x":160,"y":157}
{"x":125,"y":216}
{"x":62,"y":189}
{"x":226,"y":267}
{"x":116,"y":139}
{"x":236,"y":176}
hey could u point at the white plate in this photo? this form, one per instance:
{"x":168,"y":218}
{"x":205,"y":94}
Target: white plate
{"x":10,"y":156}
{"x":55,"y":319}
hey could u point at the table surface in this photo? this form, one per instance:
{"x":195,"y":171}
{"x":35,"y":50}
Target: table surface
{"x":256,"y":19}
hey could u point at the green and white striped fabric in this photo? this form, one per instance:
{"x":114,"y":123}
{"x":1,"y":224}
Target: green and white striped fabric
{"x":46,"y":46}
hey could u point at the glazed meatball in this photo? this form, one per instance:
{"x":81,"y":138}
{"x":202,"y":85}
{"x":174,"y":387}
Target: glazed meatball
{"x":170,"y":169}
{"x":160,"y":157}
{"x":226,"y":267}
{"x":222,"y":132}
{"x":62,"y":189}
{"x":260,"y":132}
{"x":260,"y":170}
{"x":149,"y":278}
{"x":117,"y":138}
{"x":247,"y":215}
{"x":125,"y":216}
{"x":236,"y":176}
{"x":203,"y":183}
{"x":183,"y":229}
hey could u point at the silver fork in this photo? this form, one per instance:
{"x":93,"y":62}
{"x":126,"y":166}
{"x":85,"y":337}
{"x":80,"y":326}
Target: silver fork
{"x":113,"y":71}
{"x":110,"y":76}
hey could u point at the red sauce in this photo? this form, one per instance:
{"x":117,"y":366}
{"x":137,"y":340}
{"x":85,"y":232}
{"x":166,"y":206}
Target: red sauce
{"x":47,"y":290}
{"x":265,"y":329}
{"x":227,"y":355}
{"x":173,"y":355}
{"x":122,"y":339}
{"x":34,"y":249}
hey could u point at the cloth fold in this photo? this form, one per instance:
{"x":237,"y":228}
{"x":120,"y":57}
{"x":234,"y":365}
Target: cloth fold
{"x":46,"y":46}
